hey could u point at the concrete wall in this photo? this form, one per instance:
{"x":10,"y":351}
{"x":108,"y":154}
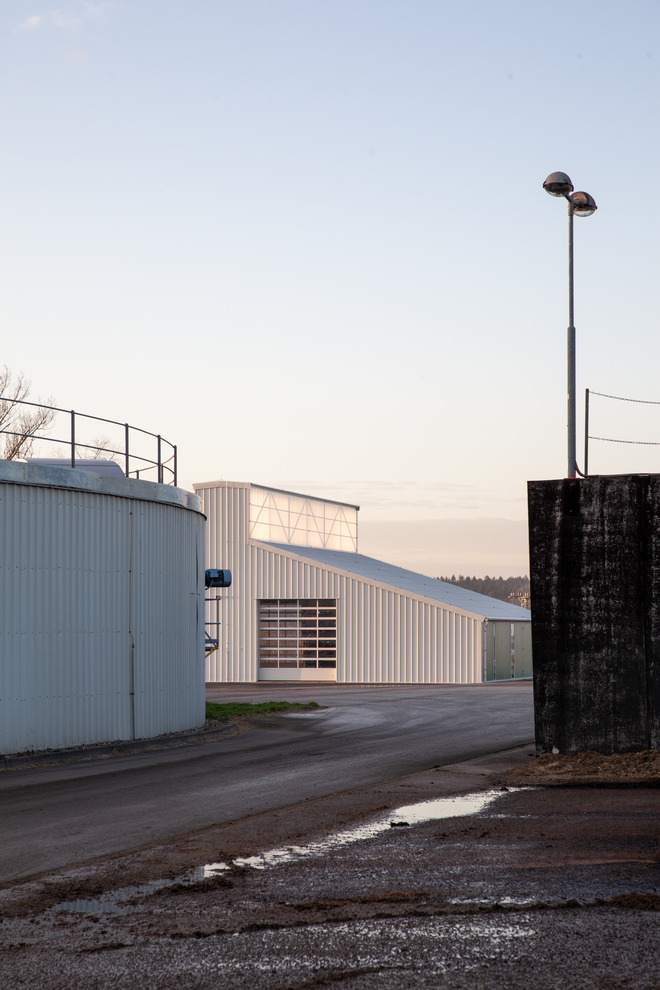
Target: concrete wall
{"x":595,"y":587}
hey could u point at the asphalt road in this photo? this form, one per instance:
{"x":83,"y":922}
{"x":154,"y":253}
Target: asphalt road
{"x":57,"y":816}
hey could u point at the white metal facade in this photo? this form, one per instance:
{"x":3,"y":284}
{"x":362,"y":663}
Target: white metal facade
{"x":383,"y":636}
{"x":101,"y":608}
{"x":385,"y":633}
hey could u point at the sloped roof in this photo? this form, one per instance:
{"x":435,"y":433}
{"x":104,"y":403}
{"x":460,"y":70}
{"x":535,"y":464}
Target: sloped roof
{"x":400,"y":579}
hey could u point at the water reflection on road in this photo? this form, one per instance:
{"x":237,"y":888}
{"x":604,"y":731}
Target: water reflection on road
{"x":124,"y":900}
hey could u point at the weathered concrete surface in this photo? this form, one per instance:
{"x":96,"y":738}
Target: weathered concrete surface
{"x":595,"y":585}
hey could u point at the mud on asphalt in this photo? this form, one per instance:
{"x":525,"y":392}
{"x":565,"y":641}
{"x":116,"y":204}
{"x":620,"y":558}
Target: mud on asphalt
{"x":545,"y":886}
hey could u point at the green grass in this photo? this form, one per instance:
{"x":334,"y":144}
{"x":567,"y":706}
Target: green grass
{"x":224,"y":712}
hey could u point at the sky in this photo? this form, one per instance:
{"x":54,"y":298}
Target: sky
{"x":307,"y":242}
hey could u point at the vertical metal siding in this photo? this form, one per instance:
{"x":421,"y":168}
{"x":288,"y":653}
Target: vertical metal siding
{"x":382,"y":636}
{"x":227,"y":509}
{"x":71,"y":595}
{"x":497,"y":650}
{"x":169,"y":670}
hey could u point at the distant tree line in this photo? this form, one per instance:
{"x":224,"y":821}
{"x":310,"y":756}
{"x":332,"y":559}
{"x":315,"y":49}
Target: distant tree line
{"x":506,"y":589}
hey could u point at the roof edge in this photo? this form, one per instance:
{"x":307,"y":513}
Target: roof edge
{"x":375,"y":584}
{"x":268,"y":488}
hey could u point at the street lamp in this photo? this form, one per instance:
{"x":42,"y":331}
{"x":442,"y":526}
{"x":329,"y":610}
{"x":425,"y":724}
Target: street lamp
{"x":580,"y":204}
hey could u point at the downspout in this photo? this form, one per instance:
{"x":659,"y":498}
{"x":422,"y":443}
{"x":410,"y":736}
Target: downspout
{"x":484,"y":650}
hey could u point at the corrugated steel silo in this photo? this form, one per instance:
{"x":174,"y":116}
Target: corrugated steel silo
{"x":101,"y":608}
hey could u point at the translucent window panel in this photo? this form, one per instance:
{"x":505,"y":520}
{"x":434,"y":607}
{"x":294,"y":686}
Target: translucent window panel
{"x":284,"y":517}
{"x":289,"y":639}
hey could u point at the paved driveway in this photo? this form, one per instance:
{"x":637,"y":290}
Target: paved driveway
{"x":56,"y":816}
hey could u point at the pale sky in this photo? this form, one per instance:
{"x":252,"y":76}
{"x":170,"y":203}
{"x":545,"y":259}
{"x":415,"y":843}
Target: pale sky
{"x":307,"y":241}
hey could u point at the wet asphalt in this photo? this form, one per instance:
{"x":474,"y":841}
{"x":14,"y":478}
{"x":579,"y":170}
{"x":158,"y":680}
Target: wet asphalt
{"x":53,"y":816}
{"x":541,"y":886}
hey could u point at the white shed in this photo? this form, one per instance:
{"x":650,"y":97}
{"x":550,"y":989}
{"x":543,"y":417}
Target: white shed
{"x":305,"y":605}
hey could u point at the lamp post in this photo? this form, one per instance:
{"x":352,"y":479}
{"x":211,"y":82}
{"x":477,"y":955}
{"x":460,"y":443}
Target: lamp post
{"x":580,"y":204}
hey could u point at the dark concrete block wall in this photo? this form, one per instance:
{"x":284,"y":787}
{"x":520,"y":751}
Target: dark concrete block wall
{"x":595,"y":588}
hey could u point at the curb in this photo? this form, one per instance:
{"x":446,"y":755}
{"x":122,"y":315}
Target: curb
{"x":121,"y":747}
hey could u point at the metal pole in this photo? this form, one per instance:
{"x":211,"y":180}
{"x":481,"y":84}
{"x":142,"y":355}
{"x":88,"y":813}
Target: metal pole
{"x":126,"y":431}
{"x":160,"y":466}
{"x":73,"y":439}
{"x":586,"y":432}
{"x":175,"y":467}
{"x":572,"y":455}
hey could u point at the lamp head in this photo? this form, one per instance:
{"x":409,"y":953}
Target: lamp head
{"x":583,"y":204}
{"x":558,"y":184}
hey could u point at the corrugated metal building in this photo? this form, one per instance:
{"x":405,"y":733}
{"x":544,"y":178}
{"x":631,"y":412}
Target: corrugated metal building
{"x":101,"y":614}
{"x":305,"y":605}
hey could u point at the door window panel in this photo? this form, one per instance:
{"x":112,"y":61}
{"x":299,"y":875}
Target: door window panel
{"x":298,"y":633}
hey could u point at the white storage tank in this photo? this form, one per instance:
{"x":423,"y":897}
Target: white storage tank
{"x":101,"y":608}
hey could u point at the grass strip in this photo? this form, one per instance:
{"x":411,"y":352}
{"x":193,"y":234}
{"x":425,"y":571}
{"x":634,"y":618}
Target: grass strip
{"x":230,"y":710}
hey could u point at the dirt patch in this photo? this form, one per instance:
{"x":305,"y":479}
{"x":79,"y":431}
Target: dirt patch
{"x":547,"y":886}
{"x":591,"y":768}
{"x":292,"y":824}
{"x":634,"y":902}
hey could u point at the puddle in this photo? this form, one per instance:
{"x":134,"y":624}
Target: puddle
{"x":517,"y":903}
{"x":115,"y":902}
{"x":407,"y":815}
{"x":210,"y":870}
{"x":120,"y":901}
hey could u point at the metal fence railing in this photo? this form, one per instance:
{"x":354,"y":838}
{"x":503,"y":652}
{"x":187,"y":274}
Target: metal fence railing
{"x":138,"y":452}
{"x":588,"y":436}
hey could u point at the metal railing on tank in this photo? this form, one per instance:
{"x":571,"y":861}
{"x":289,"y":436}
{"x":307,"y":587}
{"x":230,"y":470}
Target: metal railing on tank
{"x":131,"y":452}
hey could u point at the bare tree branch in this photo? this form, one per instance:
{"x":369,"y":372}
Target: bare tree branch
{"x":13,"y":389}
{"x":20,"y":424}
{"x":99,"y":449}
